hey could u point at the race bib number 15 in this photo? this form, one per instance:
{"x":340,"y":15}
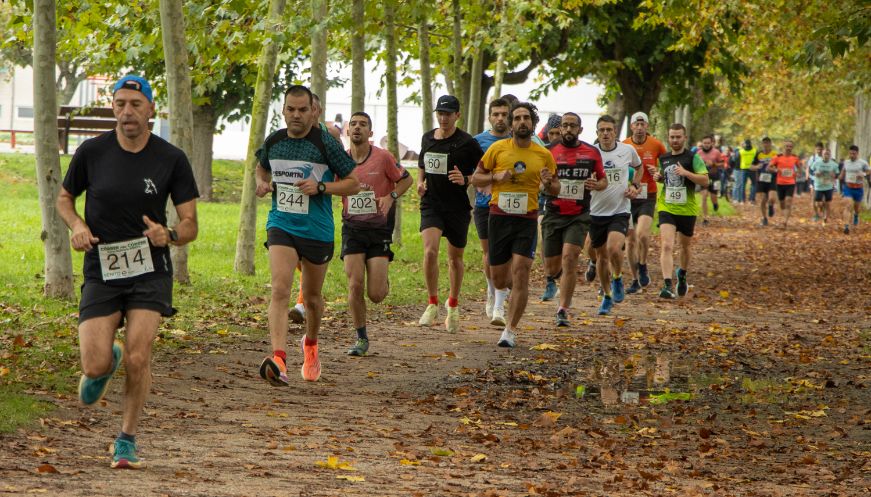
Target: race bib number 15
{"x":125,"y":259}
{"x":512,"y":202}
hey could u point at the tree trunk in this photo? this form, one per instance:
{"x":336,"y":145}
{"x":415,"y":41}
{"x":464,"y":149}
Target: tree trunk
{"x":244,"y":261}
{"x":499,"y":72}
{"x":617,"y":109}
{"x":68,"y":81}
{"x":358,"y":57}
{"x":319,"y":53}
{"x":392,"y":104}
{"x":474,"y":112}
{"x":205,"y":122}
{"x":58,"y":261}
{"x":181,"y":120}
{"x":457,"y":75}
{"x":425,"y":73}
{"x":862,"y":134}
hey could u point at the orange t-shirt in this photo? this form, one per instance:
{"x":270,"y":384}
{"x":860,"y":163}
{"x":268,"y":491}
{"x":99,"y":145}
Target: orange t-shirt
{"x":649,"y":151}
{"x":785,"y":167}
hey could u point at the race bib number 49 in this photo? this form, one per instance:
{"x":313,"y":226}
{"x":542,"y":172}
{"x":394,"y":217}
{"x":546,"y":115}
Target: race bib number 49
{"x":571,"y":189}
{"x":434,"y":163}
{"x":676,"y":195}
{"x":512,"y":202}
{"x":291,"y":199}
{"x":362,"y":203}
{"x":125,"y":259}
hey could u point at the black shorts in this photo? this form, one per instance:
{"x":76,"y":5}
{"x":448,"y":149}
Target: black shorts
{"x":557,"y":230}
{"x":454,"y":225}
{"x":643,"y":207}
{"x":482,"y":217}
{"x":511,"y":235}
{"x":762,"y":187}
{"x":370,"y":241}
{"x":600,"y":226}
{"x":100,"y":299}
{"x":823,"y":196}
{"x":314,"y":251}
{"x":784,"y":191}
{"x":686,"y":225}
{"x":712,"y":178}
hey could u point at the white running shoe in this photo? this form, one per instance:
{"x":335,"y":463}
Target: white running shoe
{"x":507,"y":338}
{"x":429,"y":315}
{"x":452,"y":322}
{"x":488,"y":307}
{"x":498,"y":318}
{"x":297,"y":313}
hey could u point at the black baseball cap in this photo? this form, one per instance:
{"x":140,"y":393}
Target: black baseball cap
{"x":447,"y":103}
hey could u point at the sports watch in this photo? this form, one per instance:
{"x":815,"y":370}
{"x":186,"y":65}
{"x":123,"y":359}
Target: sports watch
{"x":393,"y":195}
{"x":173,"y":235}
{"x":321,"y":187}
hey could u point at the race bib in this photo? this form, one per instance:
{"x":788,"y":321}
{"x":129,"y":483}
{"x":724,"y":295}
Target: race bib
{"x":571,"y":189}
{"x":786,"y":173}
{"x":513,"y":202}
{"x":676,"y":195}
{"x":291,"y":199}
{"x":434,"y":163}
{"x":613,"y":175}
{"x":642,"y":192}
{"x":854,"y":178}
{"x":765,"y":177}
{"x":125,"y":259}
{"x":717,"y":185}
{"x":362,"y":203}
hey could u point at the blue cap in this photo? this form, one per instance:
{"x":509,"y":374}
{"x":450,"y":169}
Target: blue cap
{"x":133,"y":82}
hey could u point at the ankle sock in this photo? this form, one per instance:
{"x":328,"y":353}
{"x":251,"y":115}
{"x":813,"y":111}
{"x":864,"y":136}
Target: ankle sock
{"x":361,"y":333}
{"x":499,"y":298}
{"x":310,"y":342}
{"x":128,"y":438}
{"x":453,"y":302}
{"x":434,"y":299}
{"x":281,"y":355}
{"x":668,"y":282}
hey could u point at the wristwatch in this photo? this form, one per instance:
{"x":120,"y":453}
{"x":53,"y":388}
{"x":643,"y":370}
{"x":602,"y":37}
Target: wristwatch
{"x":173,"y":235}
{"x":393,"y":195}
{"x":321,"y":187}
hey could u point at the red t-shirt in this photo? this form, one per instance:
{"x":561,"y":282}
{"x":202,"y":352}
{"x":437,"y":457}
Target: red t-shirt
{"x":378,"y":174}
{"x":713,"y":159}
{"x":649,"y":151}
{"x":785,"y":166}
{"x":576,"y":163}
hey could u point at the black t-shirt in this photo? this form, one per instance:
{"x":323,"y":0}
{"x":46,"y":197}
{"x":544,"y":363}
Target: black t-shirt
{"x":463,"y":151}
{"x":122,"y":187}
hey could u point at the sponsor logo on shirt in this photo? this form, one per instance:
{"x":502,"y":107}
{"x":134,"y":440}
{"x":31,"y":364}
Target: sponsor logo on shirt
{"x":150,"y":187}
{"x":299,"y":172}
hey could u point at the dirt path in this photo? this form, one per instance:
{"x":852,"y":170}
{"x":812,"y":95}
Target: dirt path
{"x":773,"y":345}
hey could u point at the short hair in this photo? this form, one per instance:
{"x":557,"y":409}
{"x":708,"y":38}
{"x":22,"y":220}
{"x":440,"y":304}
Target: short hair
{"x":361,"y":113}
{"x":766,"y":139}
{"x":706,"y":137}
{"x":678,"y":126}
{"x":854,"y":147}
{"x":606,"y":118}
{"x":497,"y":102}
{"x":820,"y":145}
{"x":533,"y":111}
{"x":511,"y":99}
{"x":299,"y":90}
{"x":573,"y":114}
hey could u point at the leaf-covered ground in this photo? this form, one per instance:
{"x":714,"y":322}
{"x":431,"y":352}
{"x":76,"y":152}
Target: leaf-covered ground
{"x":756,"y":384}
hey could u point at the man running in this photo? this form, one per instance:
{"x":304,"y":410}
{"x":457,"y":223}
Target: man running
{"x":678,"y":205}
{"x":127,"y":176}
{"x":498,"y":116}
{"x":367,"y":224}
{"x":301,"y":166}
{"x":610,"y":210}
{"x":448,"y":156}
{"x":824,"y":176}
{"x":817,"y":156}
{"x":785,"y":166}
{"x":566,"y":220}
{"x":516,"y":169}
{"x":765,"y":180}
{"x":853,"y":178}
{"x":649,"y":149}
{"x":713,"y":161}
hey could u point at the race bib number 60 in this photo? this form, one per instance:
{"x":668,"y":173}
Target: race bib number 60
{"x":125,"y":259}
{"x":571,"y":189}
{"x":291,"y":199}
{"x":362,"y":203}
{"x":434,"y":163}
{"x":676,"y":195}
{"x":513,"y":202}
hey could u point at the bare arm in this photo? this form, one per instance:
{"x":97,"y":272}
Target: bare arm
{"x":482,"y":177}
{"x":81,"y":238}
{"x":263,"y":178}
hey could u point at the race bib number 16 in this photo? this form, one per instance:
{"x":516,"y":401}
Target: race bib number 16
{"x":571,"y":189}
{"x":434,"y":163}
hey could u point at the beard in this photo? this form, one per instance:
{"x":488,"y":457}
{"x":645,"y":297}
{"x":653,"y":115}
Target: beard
{"x":569,"y":138}
{"x":523,"y":132}
{"x":500,"y":128}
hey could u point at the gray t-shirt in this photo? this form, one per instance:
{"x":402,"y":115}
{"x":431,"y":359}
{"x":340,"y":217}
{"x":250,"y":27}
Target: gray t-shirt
{"x":854,"y":172}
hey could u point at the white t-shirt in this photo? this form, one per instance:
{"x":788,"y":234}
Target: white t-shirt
{"x":612,"y":200}
{"x":852,"y":170}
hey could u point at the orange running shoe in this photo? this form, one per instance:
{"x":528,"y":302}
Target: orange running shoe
{"x":311,"y":365}
{"x":273,"y":370}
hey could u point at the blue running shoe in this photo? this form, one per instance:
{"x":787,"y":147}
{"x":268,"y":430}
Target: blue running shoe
{"x":549,"y":290}
{"x":643,"y":275}
{"x":91,"y":390}
{"x":617,"y":289}
{"x":607,"y":305}
{"x":125,"y":456}
{"x":855,"y":219}
{"x":635,"y":287}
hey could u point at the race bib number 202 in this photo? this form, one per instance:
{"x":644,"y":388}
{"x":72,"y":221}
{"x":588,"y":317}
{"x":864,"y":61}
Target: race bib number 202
{"x":125,"y":259}
{"x":362,"y":203}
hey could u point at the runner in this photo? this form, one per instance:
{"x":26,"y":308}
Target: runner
{"x":367,"y":223}
{"x":746,"y":158}
{"x":853,"y":178}
{"x":713,"y":161}
{"x":825,"y":173}
{"x":818,"y":155}
{"x":566,"y":220}
{"x":516,"y":169}
{"x":499,"y":130}
{"x":610,"y":210}
{"x":127,"y":176}
{"x":678,"y":206}
{"x":644,"y":203}
{"x":448,"y":156}
{"x":785,"y":166}
{"x":302,"y":166}
{"x":765,"y":180}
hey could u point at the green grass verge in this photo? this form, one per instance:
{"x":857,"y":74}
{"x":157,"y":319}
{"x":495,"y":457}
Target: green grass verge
{"x":18,"y":410}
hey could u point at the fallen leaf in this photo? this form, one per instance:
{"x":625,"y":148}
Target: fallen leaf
{"x":441,"y":451}
{"x":333,"y":462}
{"x":4,"y":371}
{"x":724,"y":294}
{"x":46,"y":468}
{"x":406,"y":462}
{"x":350,"y":478}
{"x":548,"y":418}
{"x":545,"y":346}
{"x":478,"y":457}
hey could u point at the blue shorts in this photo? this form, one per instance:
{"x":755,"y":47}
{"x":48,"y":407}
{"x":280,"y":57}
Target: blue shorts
{"x":857,"y":194}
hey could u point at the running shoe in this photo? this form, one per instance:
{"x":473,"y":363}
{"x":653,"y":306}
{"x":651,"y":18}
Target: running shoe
{"x":125,"y":456}
{"x":488,"y":307}
{"x":590,"y":275}
{"x":562,"y":318}
{"x":816,"y":217}
{"x":452,"y":321}
{"x":274,"y":370}
{"x":360,"y":348}
{"x":667,"y":293}
{"x":311,"y":365}
{"x":682,"y":286}
{"x":607,"y":305}
{"x":635,"y":287}
{"x":429,"y":315}
{"x":550,"y":290}
{"x":716,"y":207}
{"x":764,"y":222}
{"x":297,"y":314}
{"x":770,"y":210}
{"x":91,"y":390}
{"x":643,"y":275}
{"x":498,"y":318}
{"x":846,"y":229}
{"x":507,"y":339}
{"x":617,"y":289}
{"x":855,"y":219}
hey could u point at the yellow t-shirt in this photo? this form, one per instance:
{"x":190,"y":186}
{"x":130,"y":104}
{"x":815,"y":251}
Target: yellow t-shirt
{"x":527,"y":163}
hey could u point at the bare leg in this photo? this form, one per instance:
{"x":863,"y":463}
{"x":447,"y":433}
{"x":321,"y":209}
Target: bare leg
{"x":455,"y":270}
{"x":431,"y":238}
{"x":569,"y":259}
{"x":355,"y":270}
{"x":312,"y":287}
{"x":520,"y":266}
{"x":666,"y":256}
{"x":141,"y":329}
{"x":95,"y":344}
{"x":282,"y":261}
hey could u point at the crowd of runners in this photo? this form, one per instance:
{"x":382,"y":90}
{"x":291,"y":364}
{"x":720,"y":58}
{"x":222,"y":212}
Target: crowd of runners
{"x":575,"y":200}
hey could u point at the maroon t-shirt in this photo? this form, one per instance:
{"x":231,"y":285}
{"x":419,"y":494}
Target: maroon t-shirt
{"x":578,"y":163}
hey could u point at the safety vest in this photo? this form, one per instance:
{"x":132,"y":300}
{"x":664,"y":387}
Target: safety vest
{"x":747,"y":157}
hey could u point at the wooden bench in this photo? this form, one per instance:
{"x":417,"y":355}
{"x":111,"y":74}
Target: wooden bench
{"x":85,"y":121}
